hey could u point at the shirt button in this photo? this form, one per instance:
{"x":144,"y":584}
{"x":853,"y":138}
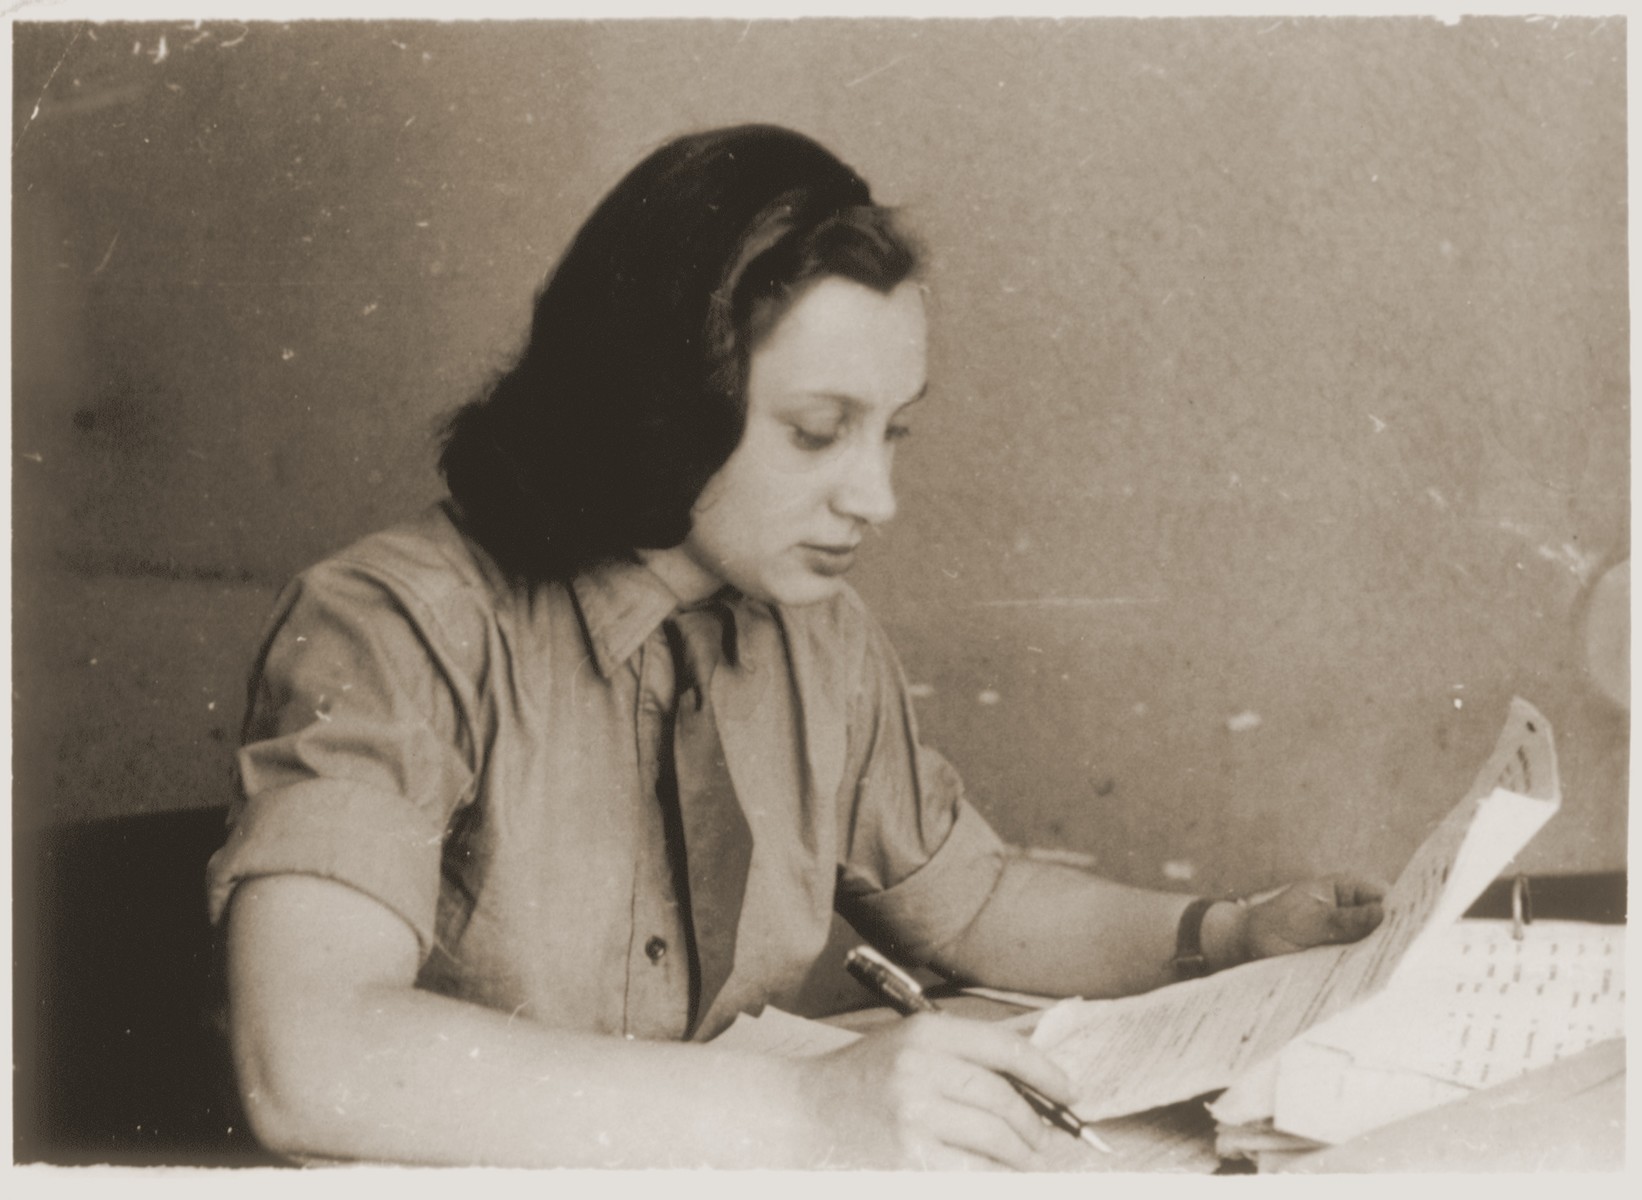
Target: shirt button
{"x":655,"y":949}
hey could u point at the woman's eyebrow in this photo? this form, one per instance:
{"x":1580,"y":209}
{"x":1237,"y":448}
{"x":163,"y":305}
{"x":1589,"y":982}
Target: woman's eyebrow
{"x":854,"y":402}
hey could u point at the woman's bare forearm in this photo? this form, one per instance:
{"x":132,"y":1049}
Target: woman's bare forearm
{"x":339,"y":1056}
{"x":1059,"y":930}
{"x":414,"y":1077}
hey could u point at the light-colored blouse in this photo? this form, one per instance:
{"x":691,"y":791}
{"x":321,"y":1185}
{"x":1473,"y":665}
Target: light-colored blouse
{"x":480,"y":756}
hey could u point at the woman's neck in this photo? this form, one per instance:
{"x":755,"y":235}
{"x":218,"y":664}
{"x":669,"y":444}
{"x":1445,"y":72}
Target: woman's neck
{"x":686,"y":578}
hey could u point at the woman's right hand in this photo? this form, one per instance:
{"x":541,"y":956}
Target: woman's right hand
{"x":927,"y":1092}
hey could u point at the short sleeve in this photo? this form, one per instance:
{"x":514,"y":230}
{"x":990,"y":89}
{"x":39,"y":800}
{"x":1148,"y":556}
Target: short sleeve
{"x":918,"y":861}
{"x":357,"y":748}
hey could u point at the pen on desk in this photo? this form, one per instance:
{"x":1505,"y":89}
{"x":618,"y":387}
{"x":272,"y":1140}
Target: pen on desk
{"x":903,"y":992}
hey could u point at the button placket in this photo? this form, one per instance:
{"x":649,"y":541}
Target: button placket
{"x":658,"y":979}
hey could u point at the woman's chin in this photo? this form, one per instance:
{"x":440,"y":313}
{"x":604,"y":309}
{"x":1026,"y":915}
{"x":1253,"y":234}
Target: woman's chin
{"x":797,"y":590}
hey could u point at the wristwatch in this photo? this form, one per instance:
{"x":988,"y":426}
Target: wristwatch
{"x":1189,"y":961}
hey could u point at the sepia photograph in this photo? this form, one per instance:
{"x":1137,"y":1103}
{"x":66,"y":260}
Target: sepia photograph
{"x":818,"y":592}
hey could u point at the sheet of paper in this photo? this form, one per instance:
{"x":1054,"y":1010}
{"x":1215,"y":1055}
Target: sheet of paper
{"x":1180,"y":1041}
{"x":1483,"y":1008}
{"x":1018,"y":999}
{"x":1250,"y":1098}
{"x":1567,"y":1117}
{"x":1513,"y":795}
{"x":1478,"y":1006}
{"x":782,"y":1034}
{"x":1324,"y":1094}
{"x":1247,"y":1141}
{"x":1486,"y":1005}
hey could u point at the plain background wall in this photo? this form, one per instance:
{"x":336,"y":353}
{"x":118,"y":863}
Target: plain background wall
{"x":1279,"y":421}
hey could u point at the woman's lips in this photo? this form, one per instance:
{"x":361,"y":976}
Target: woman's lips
{"x":830,"y":560}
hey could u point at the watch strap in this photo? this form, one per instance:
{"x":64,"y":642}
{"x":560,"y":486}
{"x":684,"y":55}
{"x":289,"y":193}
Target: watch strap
{"x":1189,"y":961}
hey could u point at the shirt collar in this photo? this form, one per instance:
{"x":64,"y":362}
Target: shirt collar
{"x":621,"y":604}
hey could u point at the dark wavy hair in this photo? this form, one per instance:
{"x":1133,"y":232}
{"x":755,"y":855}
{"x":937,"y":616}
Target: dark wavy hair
{"x":630,"y":392}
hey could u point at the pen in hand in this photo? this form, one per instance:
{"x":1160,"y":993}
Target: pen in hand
{"x":902,"y":991}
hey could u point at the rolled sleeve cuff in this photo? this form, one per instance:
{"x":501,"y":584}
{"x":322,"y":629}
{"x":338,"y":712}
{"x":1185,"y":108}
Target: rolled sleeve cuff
{"x":937,"y":902}
{"x":368,"y":840}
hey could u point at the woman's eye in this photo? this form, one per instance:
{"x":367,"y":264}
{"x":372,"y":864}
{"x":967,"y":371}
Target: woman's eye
{"x":896,"y":433}
{"x":810,"y":439}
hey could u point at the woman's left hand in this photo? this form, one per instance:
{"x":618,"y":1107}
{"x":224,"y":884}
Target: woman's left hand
{"x":1340,"y":908}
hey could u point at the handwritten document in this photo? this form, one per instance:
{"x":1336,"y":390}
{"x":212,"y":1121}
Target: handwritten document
{"x":1140,"y":1052}
{"x":1486,"y":1008}
{"x":1491,"y":1004}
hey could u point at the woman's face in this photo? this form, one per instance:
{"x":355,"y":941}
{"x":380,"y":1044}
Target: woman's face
{"x":827,"y":396}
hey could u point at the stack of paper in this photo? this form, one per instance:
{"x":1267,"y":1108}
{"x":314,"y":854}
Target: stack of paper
{"x":1480,"y":1006}
{"x":1197,"y":1037}
{"x":1261,"y":1143}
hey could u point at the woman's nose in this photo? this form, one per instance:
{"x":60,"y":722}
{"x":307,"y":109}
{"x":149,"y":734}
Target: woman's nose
{"x":865,"y":492}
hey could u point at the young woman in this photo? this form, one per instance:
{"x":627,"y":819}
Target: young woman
{"x":541,"y":788}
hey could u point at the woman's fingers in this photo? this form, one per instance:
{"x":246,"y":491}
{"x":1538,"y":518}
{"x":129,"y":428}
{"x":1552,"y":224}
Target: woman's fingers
{"x":1320,"y":912}
{"x":989,"y":1116}
{"x":974,"y":1108}
{"x":931,"y":1091}
{"x":985,"y":1133}
{"x":1350,"y":924}
{"x":1357,"y":909}
{"x":999,"y":1050}
{"x":1350,"y":891}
